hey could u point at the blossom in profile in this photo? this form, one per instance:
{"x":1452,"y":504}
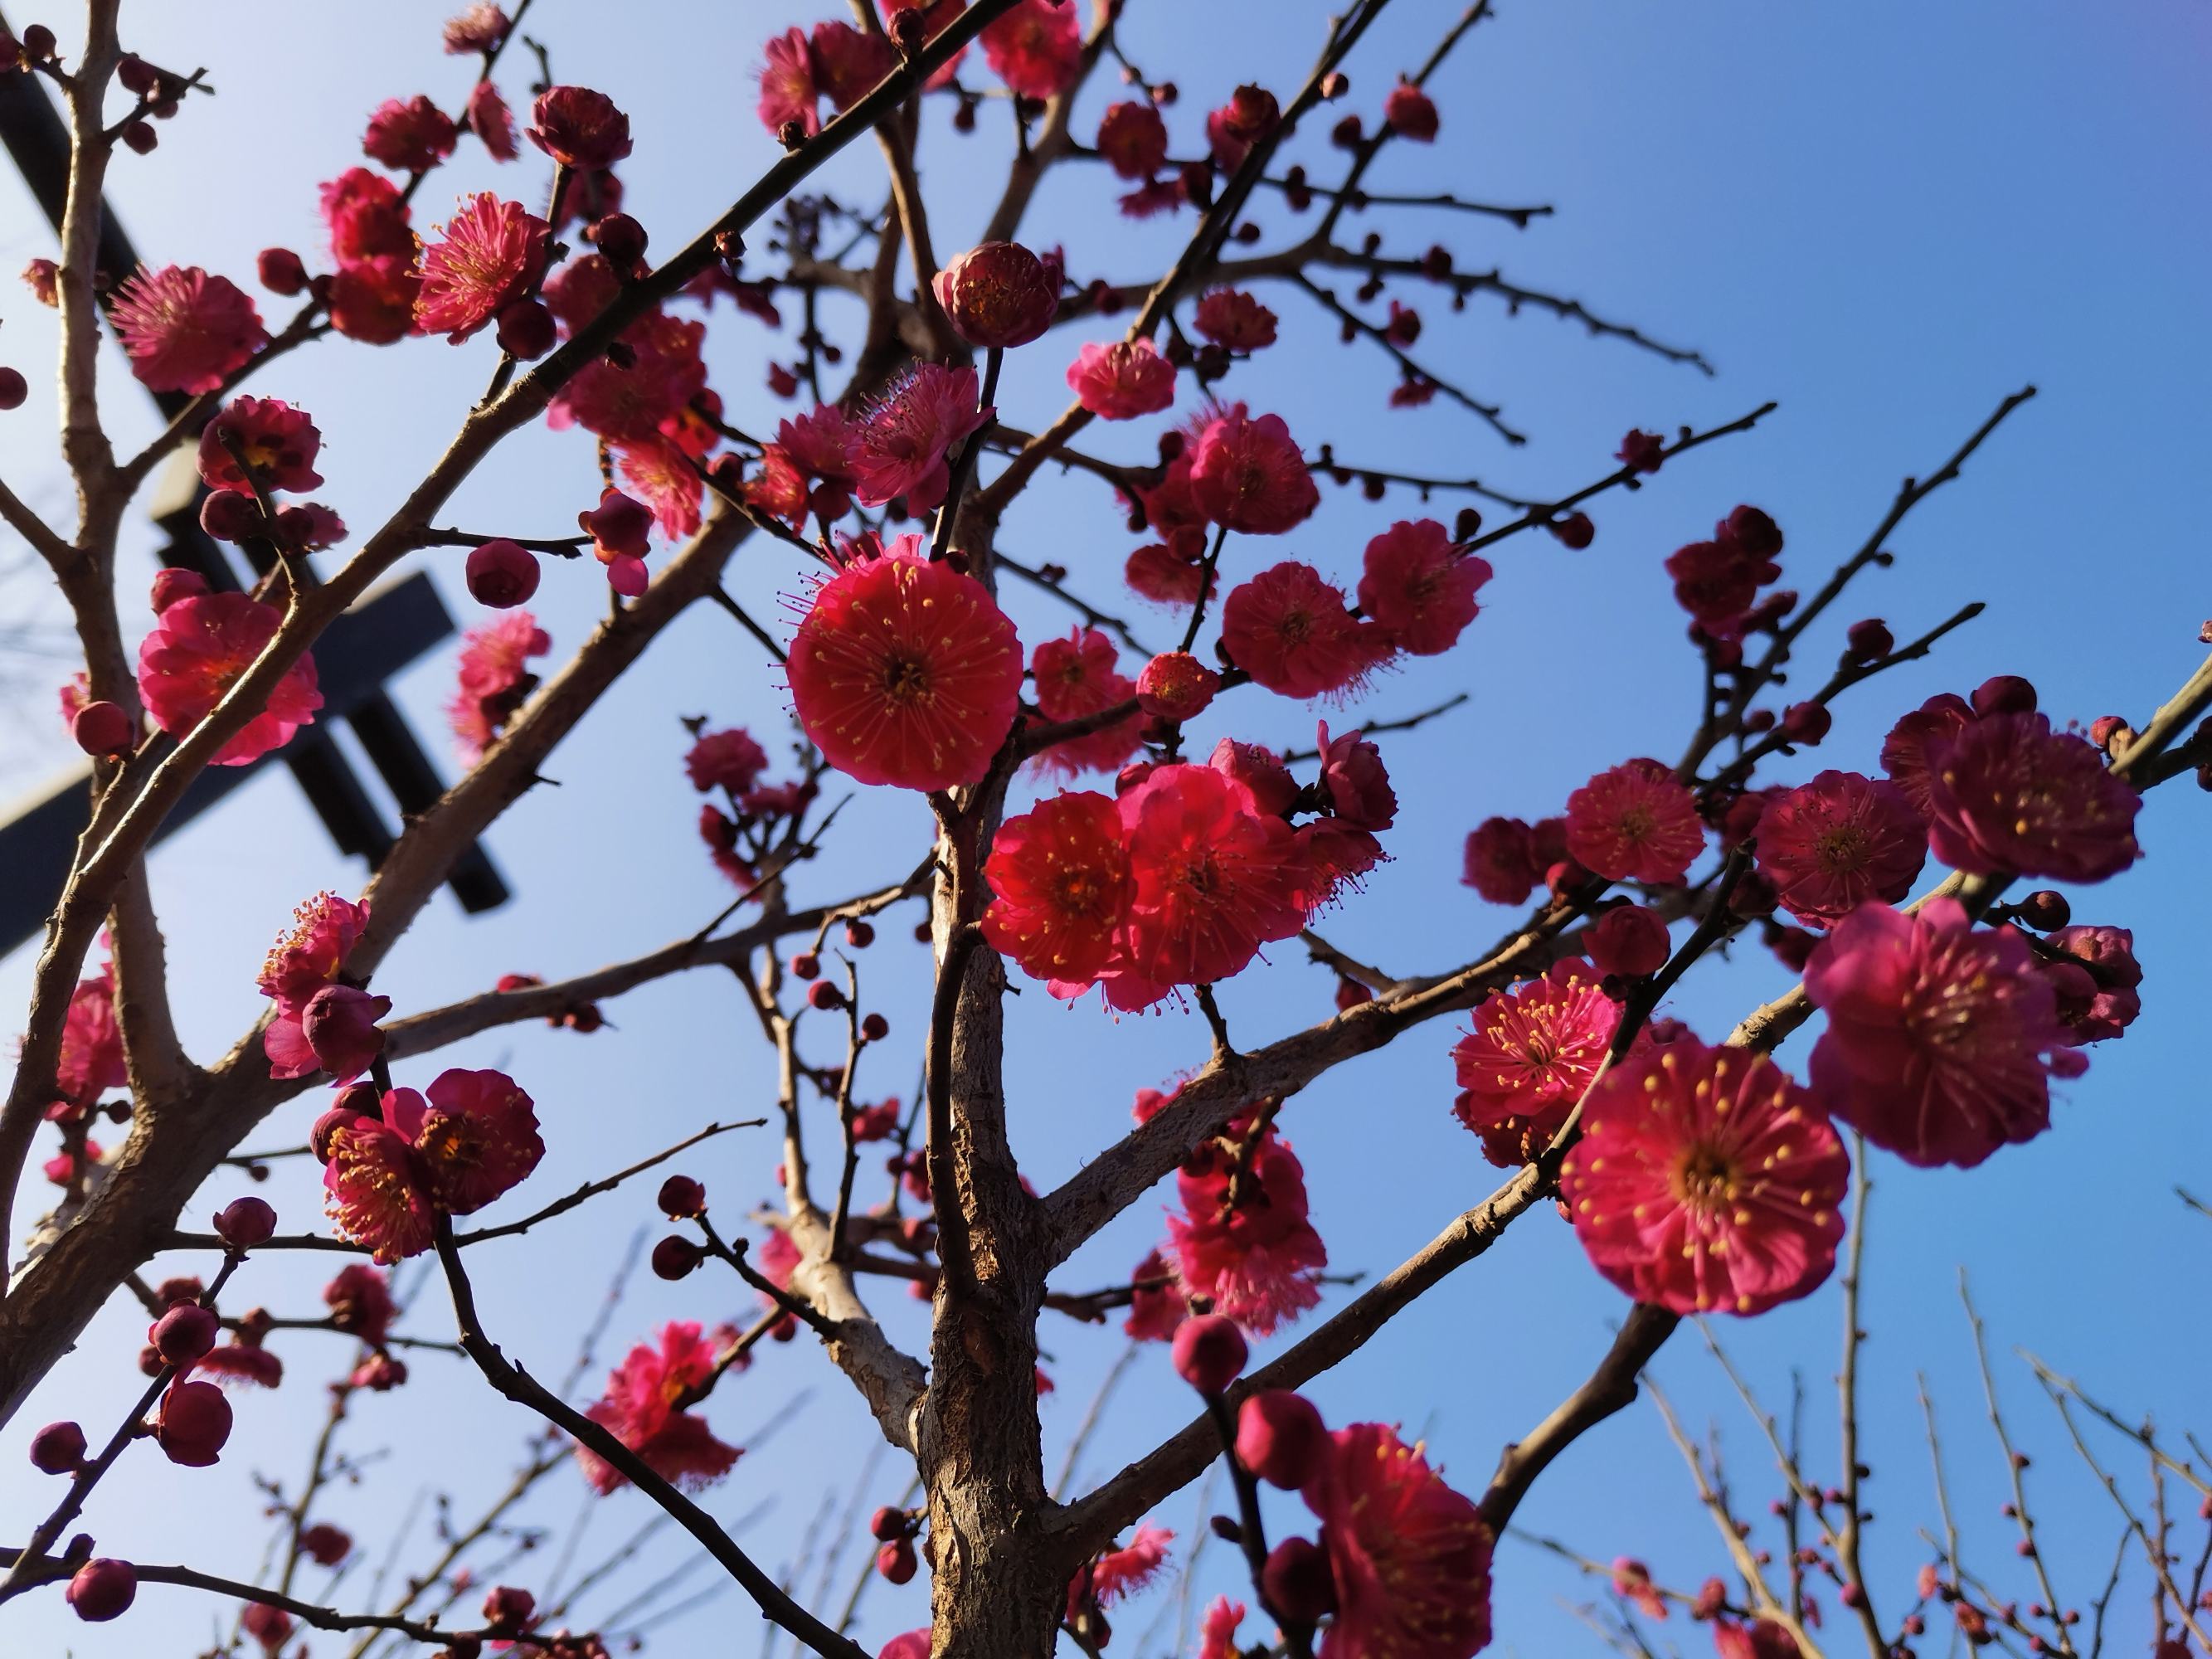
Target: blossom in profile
{"x":904,"y":442}
{"x":1706,"y":1180}
{"x":1830,"y":845}
{"x":1410,"y":112}
{"x":1176,"y":686}
{"x":1133,"y":139}
{"x":372,"y":299}
{"x":2095,"y":977}
{"x":1122,"y":380}
{"x":1499,"y":861}
{"x":1258,"y":1257}
{"x":905,"y":672}
{"x":1078,"y":677}
{"x":848,"y":62}
{"x":1060,"y":886}
{"x":1289,"y":629}
{"x":312,"y":952}
{"x":2007,"y":793}
{"x":643,"y":1408}
{"x":1635,"y":822}
{"x":1234,"y":321}
{"x":1905,"y":751}
{"x":1942,"y":1039}
{"x":1161,"y":574}
{"x":409,"y":134}
{"x":1531,"y":1055}
{"x":1216,"y":1629}
{"x":91,"y":1060}
{"x":486,"y":115}
{"x":366,"y":216}
{"x":494,"y":679}
{"x":491,"y":254}
{"x":660,"y":472}
{"x":479,"y":28}
{"x":198,"y":650}
{"x":729,"y":761}
{"x":1419,"y":588}
{"x":1250,"y":475}
{"x":1354,"y":781}
{"x":1157,"y":1306}
{"x":280,"y":443}
{"x":1410,"y":1557}
{"x":787,"y":92}
{"x":1120,"y":1571}
{"x":1215,"y":878}
{"x":1036,"y":48}
{"x":185,"y":331}
{"x":361,"y":1305}
{"x":579,"y":128}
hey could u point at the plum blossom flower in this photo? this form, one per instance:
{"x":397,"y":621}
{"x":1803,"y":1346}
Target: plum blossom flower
{"x":1288,"y":627}
{"x":787,"y":92}
{"x":904,"y":442}
{"x":1077,"y":676}
{"x":2006,"y":792}
{"x":579,"y":128}
{"x":1245,"y":1239}
{"x":493,"y":679}
{"x":1036,"y":48}
{"x":197,"y":651}
{"x":184,"y":330}
{"x":1417,"y":586}
{"x":1133,"y":139}
{"x":387,"y":1179}
{"x":491,"y":253}
{"x":1941,"y":1040}
{"x":479,"y":28}
{"x":1122,"y":381}
{"x":1060,"y":887}
{"x":1531,"y":1055}
{"x":905,"y":672}
{"x":1234,"y":321}
{"x":1000,"y":294}
{"x":1410,"y":1556}
{"x":1250,"y":475}
{"x":409,"y":134}
{"x":1830,"y":845}
{"x":641,"y":1408}
{"x":1635,"y":822}
{"x":1706,"y":1179}
{"x":279,"y":443}
{"x":848,"y":62}
{"x":729,"y":761}
{"x":91,"y":1060}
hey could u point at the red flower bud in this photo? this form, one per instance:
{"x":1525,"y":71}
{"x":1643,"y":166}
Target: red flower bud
{"x":506,"y":1608}
{"x":620,"y":239}
{"x":1410,"y":113}
{"x":2044,"y":909}
{"x":875,"y":1028}
{"x":102,"y":1589}
{"x":681,"y":1198}
{"x":1574,"y":531}
{"x":1176,"y":686}
{"x":230,"y":516}
{"x":859,"y":933}
{"x":193,"y":1424}
{"x":807,"y":965}
{"x":824,"y":995}
{"x":1628,"y":940}
{"x":1298,"y":1581}
{"x":618,"y":526}
{"x":183,"y":1333}
{"x":1209,"y":1352}
{"x":887,"y":1525}
{"x":245,"y":1222}
{"x":102,"y":728}
{"x":502,"y":574}
{"x":325,"y":1545}
{"x":1280,"y":1438}
{"x":340,"y":1023}
{"x":675,"y":1257}
{"x":171,"y":584}
{"x":281,"y":271}
{"x":895,"y":1560}
{"x":58,"y":1449}
{"x":2004,"y":694}
{"x":1806,"y":722}
{"x":525,"y":330}
{"x":1869,"y":641}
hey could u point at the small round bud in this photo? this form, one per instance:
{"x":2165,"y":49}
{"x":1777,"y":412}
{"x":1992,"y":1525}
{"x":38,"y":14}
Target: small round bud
{"x":1209,"y":1352}
{"x":1466,"y":525}
{"x":141,"y":137}
{"x":502,"y":574}
{"x":230,"y":516}
{"x":1869,"y":641}
{"x":325,"y":1545}
{"x":999,"y":294}
{"x":1574,"y":531}
{"x":676,"y":1257}
{"x":1280,"y":1438}
{"x":859,"y":933}
{"x":1806,"y":722}
{"x":887,"y":1524}
{"x":183,"y":1333}
{"x":2045,"y":909}
{"x":525,"y":330}
{"x":136,"y":75}
{"x":281,"y":271}
{"x":58,"y":1449}
{"x":824,"y":995}
{"x":506,"y":1608}
{"x":895,"y":1560}
{"x":875,"y":1028}
{"x":681,"y":1198}
{"x":2004,"y":694}
{"x":2109,"y":731}
{"x":1176,"y":686}
{"x":245,"y":1222}
{"x":1298,"y":1581}
{"x":38,"y":42}
{"x":103,"y":1588}
{"x":1628,"y":940}
{"x":807,"y":965}
{"x":620,"y":239}
{"x":14,"y":388}
{"x":102,"y":728}
{"x":193,"y":1425}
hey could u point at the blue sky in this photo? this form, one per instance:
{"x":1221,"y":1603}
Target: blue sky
{"x":1886,"y":217}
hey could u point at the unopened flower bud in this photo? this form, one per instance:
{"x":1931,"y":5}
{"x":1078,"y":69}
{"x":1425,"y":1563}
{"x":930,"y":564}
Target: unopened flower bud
{"x":1574,"y":531}
{"x":1299,"y":1581}
{"x":229,"y":515}
{"x":2004,"y":694}
{"x":1209,"y":1352}
{"x":1869,"y":641}
{"x":340,"y":1024}
{"x":102,"y":728}
{"x":1806,"y":722}
{"x":1280,"y":1438}
{"x":887,"y":1524}
{"x":1176,"y":685}
{"x":675,"y":1256}
{"x":525,"y":330}
{"x":895,"y":1560}
{"x":102,"y":1589}
{"x":172,"y":583}
{"x":824,"y":996}
{"x":999,"y":294}
{"x":183,"y":1333}
{"x":506,"y":1608}
{"x":502,"y":574}
{"x":2044,"y":909}
{"x":193,"y":1424}
{"x":859,"y":933}
{"x":807,"y":965}
{"x":58,"y":1449}
{"x":1628,"y":940}
{"x":682,"y":1198}
{"x":620,"y":239}
{"x":875,"y":1028}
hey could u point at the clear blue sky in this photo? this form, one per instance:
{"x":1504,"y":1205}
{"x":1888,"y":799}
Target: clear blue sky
{"x":1886,"y":216}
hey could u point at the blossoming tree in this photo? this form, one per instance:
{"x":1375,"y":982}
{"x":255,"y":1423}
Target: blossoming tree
{"x":1089,"y":845}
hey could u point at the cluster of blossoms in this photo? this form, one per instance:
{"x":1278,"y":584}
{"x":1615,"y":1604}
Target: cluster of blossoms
{"x":1188,"y":873}
{"x":199,"y":646}
{"x":1402,"y":1562}
{"x":393,"y":1162}
{"x":646,"y":1407}
{"x":730,"y":763}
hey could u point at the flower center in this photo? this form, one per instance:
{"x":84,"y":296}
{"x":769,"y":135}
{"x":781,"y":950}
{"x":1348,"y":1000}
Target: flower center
{"x":1706,"y":1180}
{"x":906,"y":680}
{"x":1841,"y":849}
